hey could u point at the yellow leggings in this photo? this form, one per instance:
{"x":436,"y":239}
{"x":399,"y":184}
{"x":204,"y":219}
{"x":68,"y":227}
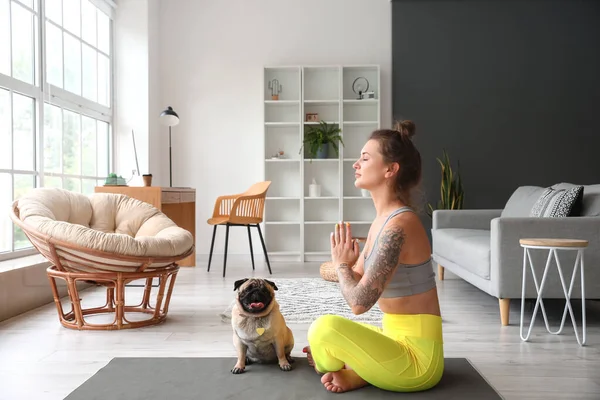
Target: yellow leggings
{"x":407,"y":355}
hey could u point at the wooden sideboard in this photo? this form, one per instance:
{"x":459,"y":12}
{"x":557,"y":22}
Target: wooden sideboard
{"x":179,"y":204}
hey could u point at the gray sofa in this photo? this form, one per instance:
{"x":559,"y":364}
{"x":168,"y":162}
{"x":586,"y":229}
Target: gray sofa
{"x":482,"y":246}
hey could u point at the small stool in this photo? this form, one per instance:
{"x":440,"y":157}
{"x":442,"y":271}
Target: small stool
{"x":553,"y":245}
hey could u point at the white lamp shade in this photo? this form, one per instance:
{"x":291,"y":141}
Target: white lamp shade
{"x":169,"y":120}
{"x":169,"y":117}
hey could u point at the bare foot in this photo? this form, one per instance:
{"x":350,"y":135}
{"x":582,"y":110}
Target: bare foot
{"x":311,"y":362}
{"x":308,"y":356}
{"x":343,"y":380}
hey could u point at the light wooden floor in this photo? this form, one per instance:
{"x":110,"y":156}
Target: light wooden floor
{"x":41,"y":360}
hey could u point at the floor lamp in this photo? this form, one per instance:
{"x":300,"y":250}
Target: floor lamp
{"x":169,"y":118}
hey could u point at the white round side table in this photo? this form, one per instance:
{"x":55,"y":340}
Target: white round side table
{"x":553,"y":245}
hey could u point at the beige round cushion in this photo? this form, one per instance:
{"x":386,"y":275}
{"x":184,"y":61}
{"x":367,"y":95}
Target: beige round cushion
{"x":108,"y":222}
{"x":327,"y":271}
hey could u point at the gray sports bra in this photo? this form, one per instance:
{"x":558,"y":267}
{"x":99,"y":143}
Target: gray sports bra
{"x":408,"y":279}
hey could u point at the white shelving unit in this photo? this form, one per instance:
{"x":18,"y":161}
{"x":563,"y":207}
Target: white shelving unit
{"x":297,"y":226}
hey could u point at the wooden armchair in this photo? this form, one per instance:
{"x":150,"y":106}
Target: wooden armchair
{"x":244,"y":209}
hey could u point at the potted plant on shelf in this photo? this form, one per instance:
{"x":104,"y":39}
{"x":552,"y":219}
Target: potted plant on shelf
{"x":451,"y":190}
{"x":113,"y":180}
{"x":318,"y":138}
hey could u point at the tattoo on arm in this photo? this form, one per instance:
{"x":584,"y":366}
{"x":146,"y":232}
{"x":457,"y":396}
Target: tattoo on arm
{"x":349,"y":274}
{"x":362,"y":293}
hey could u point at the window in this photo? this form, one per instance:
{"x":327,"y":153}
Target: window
{"x":76,"y":155}
{"x":55,"y":115}
{"x":78,"y":48}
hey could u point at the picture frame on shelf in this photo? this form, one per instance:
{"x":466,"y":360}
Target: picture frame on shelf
{"x":312,"y":117}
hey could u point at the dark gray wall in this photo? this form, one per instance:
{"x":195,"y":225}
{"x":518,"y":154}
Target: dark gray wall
{"x":509,"y":88}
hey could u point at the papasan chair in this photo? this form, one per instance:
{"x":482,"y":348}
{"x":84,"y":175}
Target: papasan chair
{"x":108,"y":240}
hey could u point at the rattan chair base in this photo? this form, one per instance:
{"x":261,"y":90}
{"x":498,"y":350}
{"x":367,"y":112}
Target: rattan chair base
{"x":115,"y":297}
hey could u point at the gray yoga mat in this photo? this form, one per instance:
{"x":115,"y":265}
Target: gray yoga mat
{"x":210,"y":378}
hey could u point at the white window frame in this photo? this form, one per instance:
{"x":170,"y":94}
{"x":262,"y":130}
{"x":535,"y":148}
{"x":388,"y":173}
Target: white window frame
{"x":42,"y":92}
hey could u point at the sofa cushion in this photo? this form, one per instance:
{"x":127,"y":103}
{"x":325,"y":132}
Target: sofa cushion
{"x":107,"y":222}
{"x":591,"y":201}
{"x":591,"y":198}
{"x":557,"y":203}
{"x":521,"y":201}
{"x":469,"y":248}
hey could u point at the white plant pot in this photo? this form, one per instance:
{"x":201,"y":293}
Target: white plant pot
{"x":365,"y":193}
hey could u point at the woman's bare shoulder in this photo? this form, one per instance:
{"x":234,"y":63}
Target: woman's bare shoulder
{"x":413,"y":232}
{"x":408,"y":228}
{"x":406,"y":221}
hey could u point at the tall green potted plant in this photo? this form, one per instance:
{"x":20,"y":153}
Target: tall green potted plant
{"x":318,"y":137}
{"x":451,"y":189}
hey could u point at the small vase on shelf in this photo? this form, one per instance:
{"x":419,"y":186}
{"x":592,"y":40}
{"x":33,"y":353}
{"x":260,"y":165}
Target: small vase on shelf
{"x":314,"y":189}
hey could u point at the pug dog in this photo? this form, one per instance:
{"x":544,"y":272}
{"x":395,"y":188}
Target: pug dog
{"x":260,"y":334}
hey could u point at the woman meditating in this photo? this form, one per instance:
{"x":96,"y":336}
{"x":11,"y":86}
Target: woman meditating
{"x":395,"y":271}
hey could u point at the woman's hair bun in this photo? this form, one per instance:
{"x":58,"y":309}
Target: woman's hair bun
{"x":406,"y":128}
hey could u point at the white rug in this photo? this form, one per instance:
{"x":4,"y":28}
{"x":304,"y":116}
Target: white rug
{"x":302,"y":300}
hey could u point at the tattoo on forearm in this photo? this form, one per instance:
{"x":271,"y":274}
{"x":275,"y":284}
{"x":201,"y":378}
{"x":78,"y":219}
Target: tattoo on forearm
{"x":347,"y":275}
{"x":366,"y":292}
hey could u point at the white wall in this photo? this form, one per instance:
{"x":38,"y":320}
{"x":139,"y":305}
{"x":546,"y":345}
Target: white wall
{"x":131,"y":86}
{"x":137,"y":91}
{"x":157,"y":138}
{"x":212,"y":54}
